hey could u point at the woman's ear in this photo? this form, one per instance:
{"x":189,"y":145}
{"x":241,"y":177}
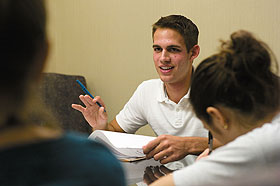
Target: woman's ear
{"x":40,"y":60}
{"x":217,"y":117}
{"x":44,"y":55}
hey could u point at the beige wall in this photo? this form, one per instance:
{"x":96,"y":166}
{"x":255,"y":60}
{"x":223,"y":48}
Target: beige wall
{"x":109,"y":41}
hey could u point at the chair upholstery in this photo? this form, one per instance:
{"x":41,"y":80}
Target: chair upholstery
{"x":59,"y":91}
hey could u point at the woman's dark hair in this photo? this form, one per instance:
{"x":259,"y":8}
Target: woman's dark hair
{"x":23,"y":45}
{"x":238,"y":77}
{"x":22,"y":34}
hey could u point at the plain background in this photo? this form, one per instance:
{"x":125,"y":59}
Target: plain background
{"x":110,"y":42}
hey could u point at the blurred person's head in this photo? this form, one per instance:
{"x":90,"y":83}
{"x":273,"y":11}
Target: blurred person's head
{"x":235,"y":90}
{"x":23,"y":51}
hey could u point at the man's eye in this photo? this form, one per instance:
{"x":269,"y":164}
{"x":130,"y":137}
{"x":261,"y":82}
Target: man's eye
{"x":174,"y":50}
{"x":157,"y":49}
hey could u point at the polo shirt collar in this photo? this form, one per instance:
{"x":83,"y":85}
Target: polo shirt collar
{"x":162,"y":94}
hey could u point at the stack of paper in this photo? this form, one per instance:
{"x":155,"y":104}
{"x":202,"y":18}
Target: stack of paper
{"x":127,"y":147}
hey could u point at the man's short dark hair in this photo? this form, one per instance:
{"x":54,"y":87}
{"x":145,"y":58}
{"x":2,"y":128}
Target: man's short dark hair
{"x":181,"y":24}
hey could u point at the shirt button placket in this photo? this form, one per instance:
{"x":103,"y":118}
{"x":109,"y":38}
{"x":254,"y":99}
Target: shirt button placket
{"x":178,"y":120}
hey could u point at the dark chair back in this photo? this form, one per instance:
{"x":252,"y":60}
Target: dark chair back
{"x":59,"y":91}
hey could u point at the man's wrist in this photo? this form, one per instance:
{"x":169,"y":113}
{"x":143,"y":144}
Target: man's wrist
{"x":195,"y":145}
{"x":105,"y":128}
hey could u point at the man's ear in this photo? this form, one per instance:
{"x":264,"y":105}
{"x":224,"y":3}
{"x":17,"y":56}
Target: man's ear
{"x":194,"y":52}
{"x":217,"y":117}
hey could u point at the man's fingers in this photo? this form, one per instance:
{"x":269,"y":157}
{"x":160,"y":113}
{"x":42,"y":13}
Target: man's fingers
{"x":156,"y":153}
{"x":167,"y":159}
{"x":78,"y":107}
{"x":151,"y":146}
{"x":98,"y":98}
{"x":92,"y":102}
{"x":102,"y":113}
{"x":89,"y":100}
{"x":161,"y":154}
{"x":84,"y":100}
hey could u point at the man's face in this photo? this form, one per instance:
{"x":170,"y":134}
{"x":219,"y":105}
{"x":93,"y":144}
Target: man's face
{"x":171,"y":58}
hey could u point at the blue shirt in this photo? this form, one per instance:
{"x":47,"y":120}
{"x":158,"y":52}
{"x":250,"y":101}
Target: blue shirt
{"x":68,"y":160}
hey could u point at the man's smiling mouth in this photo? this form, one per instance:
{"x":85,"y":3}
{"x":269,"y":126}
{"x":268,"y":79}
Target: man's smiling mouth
{"x":166,"y":68}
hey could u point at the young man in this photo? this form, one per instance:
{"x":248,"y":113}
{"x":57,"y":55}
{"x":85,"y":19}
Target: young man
{"x":162,"y":103}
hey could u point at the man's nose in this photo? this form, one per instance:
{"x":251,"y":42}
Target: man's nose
{"x":164,"y":56}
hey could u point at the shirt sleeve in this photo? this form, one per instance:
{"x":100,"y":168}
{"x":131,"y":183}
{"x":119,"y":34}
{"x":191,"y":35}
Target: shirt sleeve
{"x":132,"y":116}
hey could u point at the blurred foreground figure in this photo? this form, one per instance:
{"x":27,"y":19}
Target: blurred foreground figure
{"x":31,"y":154}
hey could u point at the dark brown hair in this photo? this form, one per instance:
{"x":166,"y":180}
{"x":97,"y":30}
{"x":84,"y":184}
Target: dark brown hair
{"x":181,"y":24}
{"x":238,"y":77}
{"x":22,"y":34}
{"x":22,"y":42}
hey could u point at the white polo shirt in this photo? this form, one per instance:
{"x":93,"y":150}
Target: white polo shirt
{"x":150,"y":105}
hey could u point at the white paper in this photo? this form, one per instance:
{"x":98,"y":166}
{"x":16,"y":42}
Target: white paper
{"x":123,"y":145}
